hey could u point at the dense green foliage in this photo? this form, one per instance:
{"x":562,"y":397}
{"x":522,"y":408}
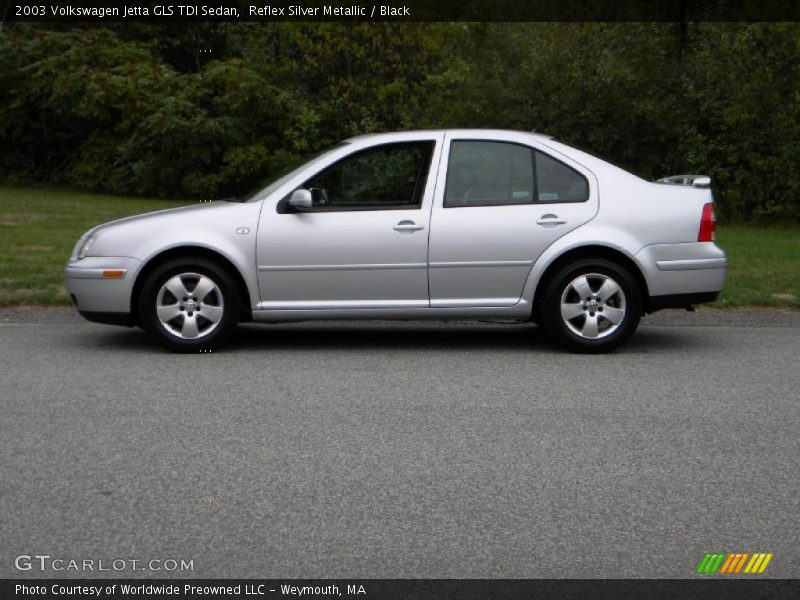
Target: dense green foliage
{"x":209,"y":110}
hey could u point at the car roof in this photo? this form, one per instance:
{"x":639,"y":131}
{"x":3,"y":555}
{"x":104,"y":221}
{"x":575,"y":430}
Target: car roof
{"x":460,"y":132}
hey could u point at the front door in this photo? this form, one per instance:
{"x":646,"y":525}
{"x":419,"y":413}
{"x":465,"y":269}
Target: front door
{"x":363,"y":243}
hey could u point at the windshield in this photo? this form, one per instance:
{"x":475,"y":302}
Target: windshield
{"x":262,"y":192}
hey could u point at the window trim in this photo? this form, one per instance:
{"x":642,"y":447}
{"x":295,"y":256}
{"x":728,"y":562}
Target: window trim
{"x":533,"y":150}
{"x":423,"y":172}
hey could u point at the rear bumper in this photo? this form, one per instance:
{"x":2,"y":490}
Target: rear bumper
{"x":95,"y":293}
{"x":680,"y":269}
{"x":692,"y":264}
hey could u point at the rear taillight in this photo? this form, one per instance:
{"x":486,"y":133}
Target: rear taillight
{"x":708,"y":224}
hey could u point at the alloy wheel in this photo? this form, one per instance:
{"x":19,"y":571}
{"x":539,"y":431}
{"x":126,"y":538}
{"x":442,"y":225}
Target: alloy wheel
{"x":593,"y":306}
{"x":189,"y":305}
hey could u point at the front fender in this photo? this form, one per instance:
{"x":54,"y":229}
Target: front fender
{"x":225,"y":229}
{"x":240,"y":258}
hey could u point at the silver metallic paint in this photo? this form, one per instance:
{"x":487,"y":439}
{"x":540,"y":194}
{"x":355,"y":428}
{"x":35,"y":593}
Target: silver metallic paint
{"x":426,"y":262}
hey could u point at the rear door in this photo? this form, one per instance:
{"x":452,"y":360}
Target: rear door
{"x":499,"y":204}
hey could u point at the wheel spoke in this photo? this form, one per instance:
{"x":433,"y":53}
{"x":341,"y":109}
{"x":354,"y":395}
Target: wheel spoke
{"x":176,"y":287}
{"x":570,"y":310}
{"x":204,"y":287}
{"x":189,"y":328}
{"x":608,"y":289}
{"x":581,"y":286}
{"x":212,"y":313}
{"x":168,"y":312}
{"x":614,"y":315}
{"x":590,"y":329}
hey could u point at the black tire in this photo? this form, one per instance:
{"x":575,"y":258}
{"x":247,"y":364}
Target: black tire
{"x":576,"y":334}
{"x":222,"y":300}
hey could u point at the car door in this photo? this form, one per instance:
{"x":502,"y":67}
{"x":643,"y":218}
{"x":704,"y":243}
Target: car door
{"x":499,"y":204}
{"x":364,"y":241}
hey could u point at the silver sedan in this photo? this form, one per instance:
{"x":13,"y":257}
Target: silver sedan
{"x":415,"y":225}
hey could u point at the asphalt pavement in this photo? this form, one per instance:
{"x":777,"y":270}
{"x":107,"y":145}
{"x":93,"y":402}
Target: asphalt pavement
{"x":400,"y":449}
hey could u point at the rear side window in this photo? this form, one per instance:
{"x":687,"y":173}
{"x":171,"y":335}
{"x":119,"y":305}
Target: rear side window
{"x":485,"y":173}
{"x":556,"y":182}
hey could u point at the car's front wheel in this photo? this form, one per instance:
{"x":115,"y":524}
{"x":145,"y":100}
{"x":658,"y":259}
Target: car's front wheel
{"x":591,"y":305}
{"x":190,"y":305}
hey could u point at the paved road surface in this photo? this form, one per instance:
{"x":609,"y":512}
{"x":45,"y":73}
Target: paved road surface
{"x":402,"y":449}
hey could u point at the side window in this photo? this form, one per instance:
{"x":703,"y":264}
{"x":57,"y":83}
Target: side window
{"x":485,"y":173}
{"x":556,"y":182}
{"x":384,"y":177}
{"x":489,"y":173}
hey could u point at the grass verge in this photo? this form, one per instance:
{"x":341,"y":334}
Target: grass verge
{"x":38,"y":229}
{"x":763,"y":266}
{"x":39,"y":226}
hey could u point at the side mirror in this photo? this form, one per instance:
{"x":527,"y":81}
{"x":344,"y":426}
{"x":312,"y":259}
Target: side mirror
{"x":300,"y":200}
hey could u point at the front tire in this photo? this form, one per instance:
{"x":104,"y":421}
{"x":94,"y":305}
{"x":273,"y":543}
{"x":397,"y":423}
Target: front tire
{"x":189,"y":304}
{"x":592,"y":306}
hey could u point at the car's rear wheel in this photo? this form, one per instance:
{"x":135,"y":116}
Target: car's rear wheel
{"x":592,"y":305}
{"x":189,"y":305}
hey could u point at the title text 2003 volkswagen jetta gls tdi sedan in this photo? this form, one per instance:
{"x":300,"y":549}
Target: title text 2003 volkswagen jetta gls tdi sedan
{"x":431,"y":224}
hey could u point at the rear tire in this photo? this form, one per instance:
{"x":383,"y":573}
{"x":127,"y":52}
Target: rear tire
{"x":189,"y":304}
{"x":591,"y":306}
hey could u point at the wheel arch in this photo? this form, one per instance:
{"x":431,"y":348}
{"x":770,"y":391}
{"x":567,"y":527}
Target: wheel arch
{"x":589,"y":251}
{"x":190,"y":252}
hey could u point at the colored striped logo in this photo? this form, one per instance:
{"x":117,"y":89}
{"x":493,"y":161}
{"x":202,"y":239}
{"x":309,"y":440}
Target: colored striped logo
{"x":731,"y":563}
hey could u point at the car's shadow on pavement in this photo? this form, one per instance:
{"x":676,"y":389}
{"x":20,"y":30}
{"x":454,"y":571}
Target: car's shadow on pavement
{"x":415,"y":336}
{"x":407,"y":336}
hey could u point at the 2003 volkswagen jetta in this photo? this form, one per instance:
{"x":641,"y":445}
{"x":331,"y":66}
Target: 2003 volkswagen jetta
{"x":427,"y":224}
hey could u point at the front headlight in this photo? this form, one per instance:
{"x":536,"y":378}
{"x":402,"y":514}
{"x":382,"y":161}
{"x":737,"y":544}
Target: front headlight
{"x":87,"y":244}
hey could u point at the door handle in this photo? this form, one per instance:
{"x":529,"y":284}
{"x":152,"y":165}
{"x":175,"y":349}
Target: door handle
{"x":550,"y":220}
{"x":408,"y":227}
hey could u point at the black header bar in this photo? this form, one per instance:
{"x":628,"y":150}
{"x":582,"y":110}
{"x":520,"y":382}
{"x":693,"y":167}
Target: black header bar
{"x":400,"y":10}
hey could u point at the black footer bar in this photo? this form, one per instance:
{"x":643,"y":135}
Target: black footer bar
{"x":397,"y":589}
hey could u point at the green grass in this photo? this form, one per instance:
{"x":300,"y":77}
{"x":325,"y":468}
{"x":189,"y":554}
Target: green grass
{"x":38,"y":229}
{"x":763,"y":266}
{"x":39,"y":226}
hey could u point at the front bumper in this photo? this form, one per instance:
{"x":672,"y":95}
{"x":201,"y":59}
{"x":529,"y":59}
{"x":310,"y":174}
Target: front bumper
{"x":102,"y":284}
